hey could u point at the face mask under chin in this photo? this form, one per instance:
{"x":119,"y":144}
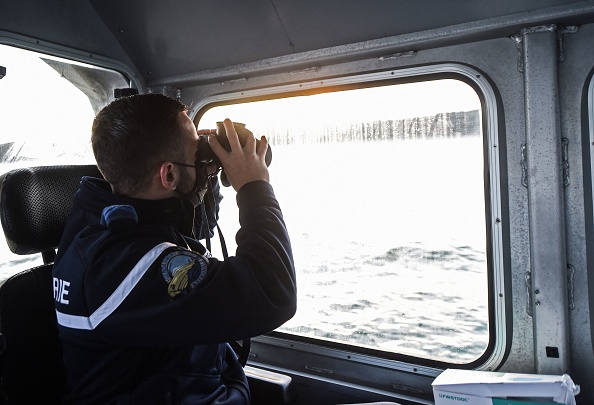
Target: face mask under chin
{"x":195,"y":196}
{"x":193,"y":191}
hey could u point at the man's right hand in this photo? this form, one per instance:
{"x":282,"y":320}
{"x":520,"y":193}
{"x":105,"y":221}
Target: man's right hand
{"x":242,"y":164}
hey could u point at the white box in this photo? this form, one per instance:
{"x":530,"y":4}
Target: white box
{"x":469,"y":387}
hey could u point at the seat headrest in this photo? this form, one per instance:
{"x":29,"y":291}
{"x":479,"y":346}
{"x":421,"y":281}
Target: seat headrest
{"x":35,"y":203}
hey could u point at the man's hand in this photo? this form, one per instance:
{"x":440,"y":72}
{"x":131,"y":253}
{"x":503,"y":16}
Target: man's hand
{"x":243,"y":164}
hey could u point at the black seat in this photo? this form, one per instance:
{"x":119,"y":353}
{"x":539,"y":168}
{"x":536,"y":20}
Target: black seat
{"x":34,"y":206}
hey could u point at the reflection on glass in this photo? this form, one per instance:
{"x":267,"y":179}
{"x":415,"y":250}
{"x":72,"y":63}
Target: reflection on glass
{"x":383,"y":194}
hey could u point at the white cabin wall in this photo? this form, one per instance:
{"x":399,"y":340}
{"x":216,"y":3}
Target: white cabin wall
{"x":574,"y":74}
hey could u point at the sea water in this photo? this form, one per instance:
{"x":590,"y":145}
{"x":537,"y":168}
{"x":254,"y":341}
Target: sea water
{"x":389,"y":241}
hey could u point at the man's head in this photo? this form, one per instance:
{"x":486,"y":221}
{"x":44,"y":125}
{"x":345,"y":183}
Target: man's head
{"x":134,"y":137}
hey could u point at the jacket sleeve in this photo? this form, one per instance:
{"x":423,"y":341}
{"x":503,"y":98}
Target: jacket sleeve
{"x":246,"y":295}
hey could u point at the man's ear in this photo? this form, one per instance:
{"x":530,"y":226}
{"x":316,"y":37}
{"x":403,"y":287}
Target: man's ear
{"x":168,"y":176}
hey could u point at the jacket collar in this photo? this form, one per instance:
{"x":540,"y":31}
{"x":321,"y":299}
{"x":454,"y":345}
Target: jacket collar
{"x":95,"y":194}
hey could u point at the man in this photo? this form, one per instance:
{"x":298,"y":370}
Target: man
{"x":143,"y":310}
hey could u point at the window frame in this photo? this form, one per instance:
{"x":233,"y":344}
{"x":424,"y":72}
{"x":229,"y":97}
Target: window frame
{"x":589,"y":111}
{"x":499,"y":319}
{"x":74,"y":56}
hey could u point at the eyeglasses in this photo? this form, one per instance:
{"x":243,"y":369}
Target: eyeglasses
{"x":200,"y":168}
{"x":184,"y":164}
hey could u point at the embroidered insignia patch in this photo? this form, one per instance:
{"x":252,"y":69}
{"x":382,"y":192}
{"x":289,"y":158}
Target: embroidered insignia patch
{"x":181,"y":270}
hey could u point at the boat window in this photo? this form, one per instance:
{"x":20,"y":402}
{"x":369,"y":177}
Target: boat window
{"x":383,"y":193}
{"x":45,"y":119}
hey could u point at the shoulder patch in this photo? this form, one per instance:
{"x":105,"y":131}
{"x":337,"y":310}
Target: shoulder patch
{"x":182,"y":270}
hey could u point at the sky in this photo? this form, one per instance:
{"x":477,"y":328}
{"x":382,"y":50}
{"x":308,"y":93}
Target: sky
{"x":398,"y":101}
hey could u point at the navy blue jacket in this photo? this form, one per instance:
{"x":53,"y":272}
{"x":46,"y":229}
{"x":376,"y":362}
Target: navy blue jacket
{"x":144,"y":312}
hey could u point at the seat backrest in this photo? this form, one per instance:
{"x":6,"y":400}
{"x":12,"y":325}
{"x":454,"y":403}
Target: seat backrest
{"x":34,"y":206}
{"x":32,"y":370}
{"x":35,"y":203}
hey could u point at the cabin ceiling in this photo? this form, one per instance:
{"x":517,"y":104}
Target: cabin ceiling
{"x":209,"y":35}
{"x":163,"y":40}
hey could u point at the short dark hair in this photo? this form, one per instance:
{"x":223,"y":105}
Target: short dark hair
{"x":133,"y":135}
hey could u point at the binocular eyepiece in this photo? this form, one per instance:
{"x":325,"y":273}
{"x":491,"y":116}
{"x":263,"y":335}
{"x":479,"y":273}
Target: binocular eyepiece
{"x":205,"y":155}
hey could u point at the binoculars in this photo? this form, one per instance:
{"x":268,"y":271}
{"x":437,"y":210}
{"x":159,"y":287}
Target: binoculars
{"x":205,"y":155}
